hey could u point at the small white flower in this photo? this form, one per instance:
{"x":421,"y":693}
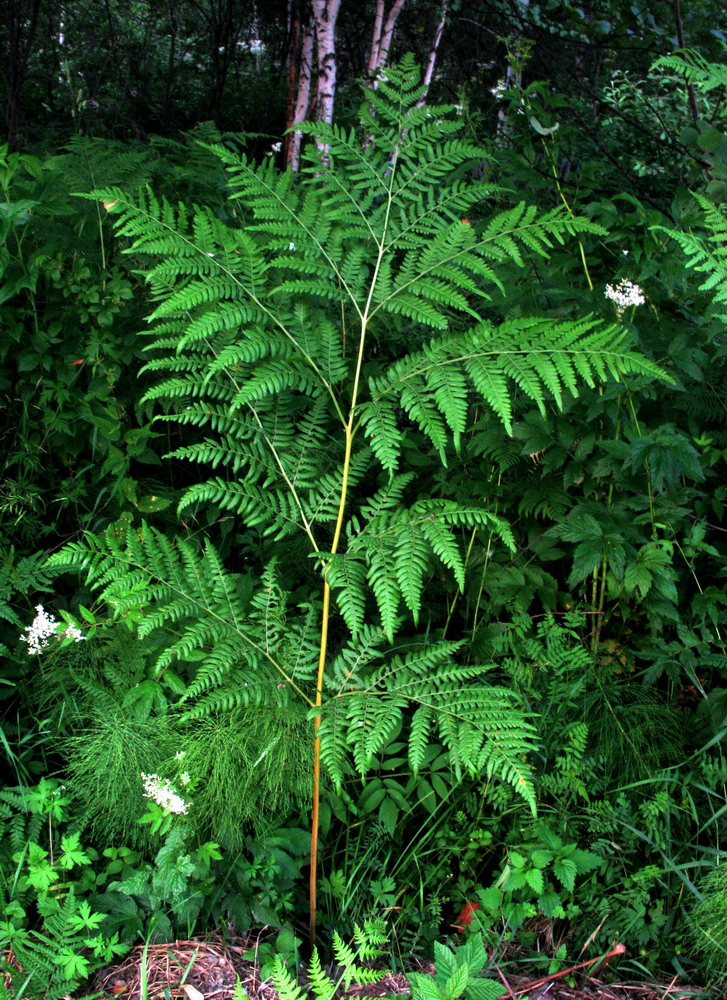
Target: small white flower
{"x":624,"y":294}
{"x":180,"y":754}
{"x":276,"y":147}
{"x":499,"y":89}
{"x":291,"y":245}
{"x":43,"y":627}
{"x":71,"y":632}
{"x":37,"y":633}
{"x":161,"y":791}
{"x":185,"y":778}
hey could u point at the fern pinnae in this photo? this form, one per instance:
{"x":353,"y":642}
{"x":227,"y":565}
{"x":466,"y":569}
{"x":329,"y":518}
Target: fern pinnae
{"x":346,"y":574}
{"x":351,"y":146}
{"x":410,"y":563}
{"x":419,"y":734}
{"x":266,"y":188}
{"x":141,"y":552}
{"x":309,"y":421}
{"x":226,"y":283}
{"x":378,"y":420}
{"x":291,"y":487}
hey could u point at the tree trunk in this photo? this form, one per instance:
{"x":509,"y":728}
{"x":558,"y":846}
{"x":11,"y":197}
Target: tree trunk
{"x":434,"y":51}
{"x":300,"y":77}
{"x":166,"y":110}
{"x":381,"y":40}
{"x":21,"y":25}
{"x":325,"y":15}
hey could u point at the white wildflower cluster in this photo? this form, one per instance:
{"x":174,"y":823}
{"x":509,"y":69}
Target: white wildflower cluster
{"x":624,"y":294}
{"x":498,"y":90}
{"x":161,"y":791}
{"x":71,"y":632}
{"x":43,"y":627}
{"x":275,"y":148}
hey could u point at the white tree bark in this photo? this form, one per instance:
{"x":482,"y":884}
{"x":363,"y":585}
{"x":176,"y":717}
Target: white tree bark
{"x":383,"y":33}
{"x":434,"y":51}
{"x":319,"y":35}
{"x":325,"y":14}
{"x":375,"y":39}
{"x":304,"y":72}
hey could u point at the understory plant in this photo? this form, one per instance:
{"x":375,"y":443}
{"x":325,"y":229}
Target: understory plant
{"x":333,"y":346}
{"x":49,"y":922}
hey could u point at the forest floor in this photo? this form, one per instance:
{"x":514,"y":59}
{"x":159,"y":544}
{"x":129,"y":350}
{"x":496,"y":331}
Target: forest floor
{"x":208,"y":970}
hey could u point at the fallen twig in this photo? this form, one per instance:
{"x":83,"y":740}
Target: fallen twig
{"x":618,"y":949}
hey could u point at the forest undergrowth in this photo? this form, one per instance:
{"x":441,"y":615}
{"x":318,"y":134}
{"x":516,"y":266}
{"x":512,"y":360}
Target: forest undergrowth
{"x":364,"y":546}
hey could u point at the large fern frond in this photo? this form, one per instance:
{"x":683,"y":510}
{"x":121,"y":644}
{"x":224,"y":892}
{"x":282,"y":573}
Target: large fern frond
{"x":707,"y":253}
{"x":156,"y":584}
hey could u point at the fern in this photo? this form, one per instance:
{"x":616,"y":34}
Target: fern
{"x":348,"y":957}
{"x":325,"y":333}
{"x":691,"y":66}
{"x":707,"y":253}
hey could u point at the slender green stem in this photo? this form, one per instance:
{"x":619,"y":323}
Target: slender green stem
{"x":455,"y":599}
{"x":349,"y":433}
{"x":570,"y":212}
{"x":485,"y":566}
{"x":601,"y":597}
{"x":647,"y":466}
{"x":291,"y":486}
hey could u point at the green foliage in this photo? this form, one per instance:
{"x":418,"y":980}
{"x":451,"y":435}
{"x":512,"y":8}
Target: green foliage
{"x":540,"y":881}
{"x":262,"y":333}
{"x":69,"y":342}
{"x":436,"y":461}
{"x":457,"y":974}
{"x":55,"y":933}
{"x":173,"y":888}
{"x":710,"y":925}
{"x":706,"y":253}
{"x":266,"y":758}
{"x":349,"y":959}
{"x":105,"y":761}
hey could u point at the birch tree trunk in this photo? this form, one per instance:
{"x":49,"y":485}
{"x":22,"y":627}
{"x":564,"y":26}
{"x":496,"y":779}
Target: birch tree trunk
{"x":316,"y":33}
{"x":300,"y":77}
{"x":434,"y":51}
{"x":325,"y":15}
{"x":381,"y":40}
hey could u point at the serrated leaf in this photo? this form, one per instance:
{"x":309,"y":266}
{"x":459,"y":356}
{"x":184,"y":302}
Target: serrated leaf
{"x":565,"y":871}
{"x":456,"y":984}
{"x":535,"y":880}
